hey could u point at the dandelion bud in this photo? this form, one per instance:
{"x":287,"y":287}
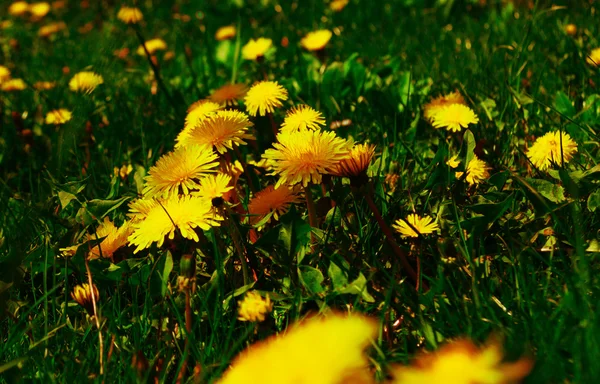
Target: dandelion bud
{"x":82,"y":294}
{"x":188,"y":266}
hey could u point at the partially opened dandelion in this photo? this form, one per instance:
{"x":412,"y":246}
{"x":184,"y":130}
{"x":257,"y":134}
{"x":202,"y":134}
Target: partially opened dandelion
{"x":356,"y":164}
{"x":552,"y":148}
{"x":82,"y":294}
{"x":229,"y":94}
{"x":302,"y":117}
{"x":85,"y":81}
{"x":415,"y":226}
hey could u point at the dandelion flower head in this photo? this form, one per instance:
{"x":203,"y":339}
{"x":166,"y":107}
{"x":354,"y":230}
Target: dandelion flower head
{"x":477,"y":171}
{"x":51,"y":29}
{"x":594,"y":58}
{"x":547,"y":150}
{"x":4,"y":73}
{"x":130,"y":15}
{"x":18,"y":8}
{"x":196,"y":112}
{"x":256,"y":49}
{"x":436,"y":104}
{"x":152,"y":45}
{"x":357,"y":163}
{"x":424,"y":225}
{"x":12,"y":85}
{"x":214,"y":186}
{"x":271,"y":199}
{"x":454,"y":117}
{"x":316,"y":40}
{"x":229,"y":94}
{"x":82,"y":294}
{"x":225,"y":33}
{"x":338,"y":5}
{"x":58,"y":116}
{"x":453,"y":162}
{"x":85,"y":81}
{"x":113,"y":238}
{"x":39,"y":10}
{"x":254,"y":307}
{"x":302,"y":117}
{"x":264,"y":97}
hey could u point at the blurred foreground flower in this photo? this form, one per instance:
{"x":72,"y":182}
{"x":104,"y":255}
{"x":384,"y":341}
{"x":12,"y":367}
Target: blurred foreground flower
{"x":454,"y":117}
{"x":461,"y":362}
{"x":477,"y":171}
{"x":264,"y":97}
{"x":152,"y":46}
{"x":436,"y":104}
{"x":256,"y":49}
{"x":304,"y":156}
{"x":571,"y":29}
{"x":254,"y":307}
{"x":271,"y":199}
{"x":302,"y":117}
{"x":58,"y":116}
{"x":130,"y":15}
{"x":594,"y":58}
{"x":552,"y":148}
{"x":4,"y":73}
{"x":225,"y":33}
{"x":82,"y":294}
{"x":18,"y":8}
{"x":39,"y":10}
{"x":44,"y":85}
{"x":317,"y":351}
{"x":453,"y":162}
{"x":229,"y":94}
{"x":52,"y":28}
{"x":85,"y":81}
{"x":12,"y":85}
{"x":180,"y":171}
{"x":316,"y":40}
{"x":183,"y":213}
{"x":338,"y":5}
{"x":424,"y":225}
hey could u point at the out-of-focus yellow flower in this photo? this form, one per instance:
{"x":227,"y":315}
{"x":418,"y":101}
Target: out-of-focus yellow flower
{"x":571,"y":29}
{"x":130,"y":15}
{"x":225,"y":33}
{"x":552,"y":148}
{"x":338,"y":5}
{"x":305,"y":156}
{"x":436,"y":104}
{"x":302,"y":117}
{"x":272,"y":200}
{"x":196,"y":112}
{"x":461,"y":362}
{"x":264,"y":97}
{"x":58,"y":116}
{"x":180,"y":171}
{"x":177,"y":213}
{"x":477,"y":171}
{"x":82,"y":294}
{"x":357,"y":163}
{"x":124,"y":171}
{"x":39,"y":10}
{"x":256,"y":49}
{"x":44,"y":85}
{"x":229,"y":94}
{"x":453,"y":162}
{"x":254,"y":307}
{"x":454,"y":117}
{"x":594,"y":58}
{"x":12,"y":85}
{"x":214,"y":186}
{"x":317,"y":351}
{"x":18,"y":8}
{"x":85,"y":81}
{"x":424,"y":225}
{"x":152,"y":46}
{"x":113,"y":239}
{"x":4,"y":73}
{"x":51,"y":29}
{"x":316,"y":40}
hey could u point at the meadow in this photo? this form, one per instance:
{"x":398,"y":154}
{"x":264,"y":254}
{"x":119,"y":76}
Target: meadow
{"x":319,"y":191}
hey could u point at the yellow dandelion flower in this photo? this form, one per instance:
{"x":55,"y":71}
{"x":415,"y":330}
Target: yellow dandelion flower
{"x":140,"y":208}
{"x":461,"y":362}
{"x":254,"y":307}
{"x":271,"y":199}
{"x":436,"y":104}
{"x":304,"y":156}
{"x":4,"y":73}
{"x":229,"y":94}
{"x":225,"y":33}
{"x":317,"y":351}
{"x":571,"y":29}
{"x":82,"y":294}
{"x":338,"y":5}
{"x":85,"y":81}
{"x":130,"y":15}
{"x":316,"y":40}
{"x":453,"y":162}
{"x":18,"y":8}
{"x":152,"y":45}
{"x":547,"y":150}
{"x":424,"y":225}
{"x":52,"y":28}
{"x":214,"y":186}
{"x":183,"y":213}
{"x":44,"y":85}
{"x":357,"y":163}
{"x":12,"y":85}
{"x":302,"y":117}
{"x":234,"y":169}
{"x":264,"y":97}
{"x":58,"y":116}
{"x":256,"y":49}
{"x":594,"y":58}
{"x":454,"y":117}
{"x":179,"y":171}
{"x":222,"y":130}
{"x":477,"y":171}
{"x":196,"y":112}
{"x":113,"y":239}
{"x":39,"y":10}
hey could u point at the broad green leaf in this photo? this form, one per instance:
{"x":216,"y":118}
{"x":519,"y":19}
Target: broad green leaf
{"x":337,"y":276}
{"x":550,"y":191}
{"x":311,"y":279}
{"x":563,"y":104}
{"x":358,"y":287}
{"x":159,"y":281}
{"x":65,"y":198}
{"x":593,"y":201}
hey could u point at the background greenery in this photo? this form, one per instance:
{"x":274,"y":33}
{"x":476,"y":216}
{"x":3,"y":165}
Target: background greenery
{"x":514,"y":63}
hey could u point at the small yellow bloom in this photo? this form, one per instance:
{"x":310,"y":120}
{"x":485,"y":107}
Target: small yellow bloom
{"x":130,"y":15}
{"x":547,"y":150}
{"x":454,"y":117}
{"x":477,"y":171}
{"x":271,"y":199}
{"x":82,"y":294}
{"x":225,"y":33}
{"x":571,"y":29}
{"x":254,"y":307}
{"x":256,"y":49}
{"x":436,"y":104}
{"x":302,"y":117}
{"x":229,"y":94}
{"x":461,"y":362}
{"x":264,"y":97}
{"x":39,"y":10}
{"x":85,"y":81}
{"x":424,"y":225}
{"x":18,"y":8}
{"x":214,"y":186}
{"x":124,"y":171}
{"x":453,"y":162}
{"x":317,"y":40}
{"x":356,"y":165}
{"x":51,"y":29}
{"x":58,"y":116}
{"x":152,"y":46}
{"x":4,"y":73}
{"x":12,"y":85}
{"x":338,"y":5}
{"x":594,"y":58}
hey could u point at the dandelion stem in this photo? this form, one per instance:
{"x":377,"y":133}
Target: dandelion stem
{"x":273,"y":125}
{"x":310,"y":204}
{"x":188,"y":328}
{"x":96,"y":320}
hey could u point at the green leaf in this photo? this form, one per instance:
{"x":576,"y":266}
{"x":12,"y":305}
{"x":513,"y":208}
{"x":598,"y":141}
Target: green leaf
{"x":311,"y":279}
{"x":563,"y":104}
{"x":100,"y":208}
{"x":65,"y":198}
{"x":294,"y":233}
{"x":404,"y":90}
{"x":358,"y":287}
{"x":550,"y":191}
{"x":469,"y":143}
{"x":159,"y":281}
{"x":593,"y":201}
{"x":337,"y":275}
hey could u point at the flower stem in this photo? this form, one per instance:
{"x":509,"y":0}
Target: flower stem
{"x":310,"y":204}
{"x":273,"y":125}
{"x":188,"y":328}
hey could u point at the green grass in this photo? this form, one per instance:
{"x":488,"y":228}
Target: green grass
{"x":517,"y":68}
